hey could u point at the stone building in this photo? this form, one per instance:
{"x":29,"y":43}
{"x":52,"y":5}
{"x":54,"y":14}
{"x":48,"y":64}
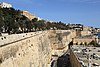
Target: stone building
{"x":5,"y":5}
{"x":29,"y":15}
{"x":75,"y":26}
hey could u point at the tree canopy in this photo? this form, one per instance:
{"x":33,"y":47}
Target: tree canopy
{"x":12,"y":21}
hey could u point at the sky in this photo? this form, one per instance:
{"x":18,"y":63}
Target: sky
{"x":86,"y":12}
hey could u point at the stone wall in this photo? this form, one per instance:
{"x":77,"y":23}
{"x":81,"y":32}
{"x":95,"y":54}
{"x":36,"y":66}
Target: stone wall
{"x":34,"y":50}
{"x":31,"y":52}
{"x":74,"y":60}
{"x":60,"y":41}
{"x":15,"y":37}
{"x":85,"y":40}
{"x":84,"y":33}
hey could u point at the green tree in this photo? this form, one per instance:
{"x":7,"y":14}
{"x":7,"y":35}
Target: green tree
{"x":41,"y":25}
{"x":48,"y":25}
{"x":35,"y":23}
{"x":1,"y":21}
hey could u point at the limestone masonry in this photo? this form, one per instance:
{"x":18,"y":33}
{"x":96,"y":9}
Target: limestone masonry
{"x":33,"y":49}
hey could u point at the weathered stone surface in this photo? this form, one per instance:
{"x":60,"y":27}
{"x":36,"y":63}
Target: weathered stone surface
{"x":34,"y":51}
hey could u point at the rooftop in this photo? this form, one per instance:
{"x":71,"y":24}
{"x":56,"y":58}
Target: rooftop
{"x":87,"y":56}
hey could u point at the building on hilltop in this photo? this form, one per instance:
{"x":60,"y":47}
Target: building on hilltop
{"x":29,"y":15}
{"x":75,"y":26}
{"x":5,"y":5}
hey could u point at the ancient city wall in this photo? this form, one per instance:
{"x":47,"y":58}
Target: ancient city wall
{"x":32,"y":50}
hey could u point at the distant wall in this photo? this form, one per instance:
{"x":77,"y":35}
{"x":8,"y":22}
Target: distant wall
{"x":84,"y":33}
{"x":60,"y":41}
{"x":85,"y":40}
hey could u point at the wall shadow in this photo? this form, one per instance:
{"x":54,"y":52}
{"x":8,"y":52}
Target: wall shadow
{"x":64,"y":61}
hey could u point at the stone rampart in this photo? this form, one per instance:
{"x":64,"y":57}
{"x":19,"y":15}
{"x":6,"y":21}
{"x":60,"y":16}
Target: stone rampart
{"x":33,"y":50}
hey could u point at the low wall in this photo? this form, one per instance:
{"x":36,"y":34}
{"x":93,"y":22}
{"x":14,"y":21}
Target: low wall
{"x":15,"y":37}
{"x":83,"y":41}
{"x":74,"y":60}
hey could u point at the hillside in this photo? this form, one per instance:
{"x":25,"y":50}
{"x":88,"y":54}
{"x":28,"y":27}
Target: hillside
{"x":13,"y":21}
